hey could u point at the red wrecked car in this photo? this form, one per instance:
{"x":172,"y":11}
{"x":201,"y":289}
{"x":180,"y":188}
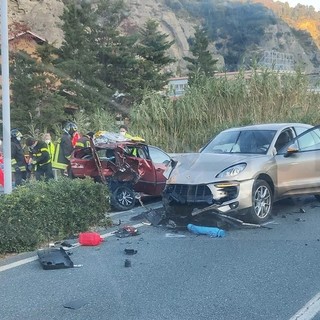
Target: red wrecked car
{"x":128,"y":167}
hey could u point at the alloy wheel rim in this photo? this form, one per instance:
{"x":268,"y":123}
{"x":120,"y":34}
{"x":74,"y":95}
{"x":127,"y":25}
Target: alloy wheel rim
{"x":262,"y":202}
{"x":125,"y":198}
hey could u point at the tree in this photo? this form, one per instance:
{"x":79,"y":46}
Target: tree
{"x":35,"y":101}
{"x":152,"y":50}
{"x":89,"y":53}
{"x":202,"y":62}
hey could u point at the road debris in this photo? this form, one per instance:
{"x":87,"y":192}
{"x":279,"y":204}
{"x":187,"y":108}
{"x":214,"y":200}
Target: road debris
{"x":90,"y":238}
{"x":127,"y":263}
{"x":301,"y":210}
{"x":126,"y":231}
{"x":226,"y":218}
{"x":155,"y":217}
{"x":175,"y":235}
{"x":76,"y":304}
{"x":54,"y":258}
{"x":130,"y":251}
{"x":211,"y":231}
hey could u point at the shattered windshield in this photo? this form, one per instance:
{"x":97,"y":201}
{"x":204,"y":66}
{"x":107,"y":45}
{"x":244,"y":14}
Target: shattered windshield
{"x":248,"y":141}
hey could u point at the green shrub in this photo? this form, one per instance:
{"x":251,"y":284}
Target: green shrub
{"x":214,"y":104}
{"x":39,"y":212}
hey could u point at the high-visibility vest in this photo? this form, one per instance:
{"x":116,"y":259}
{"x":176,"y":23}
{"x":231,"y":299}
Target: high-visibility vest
{"x":51,"y":149}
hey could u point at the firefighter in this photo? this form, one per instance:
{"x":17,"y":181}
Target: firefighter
{"x":64,"y":148}
{"x":18,"y":162}
{"x":48,"y":141}
{"x":84,"y":141}
{"x":40,"y":159}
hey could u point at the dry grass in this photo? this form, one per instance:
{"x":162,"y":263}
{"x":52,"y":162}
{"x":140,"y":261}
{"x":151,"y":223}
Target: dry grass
{"x":186,"y":124}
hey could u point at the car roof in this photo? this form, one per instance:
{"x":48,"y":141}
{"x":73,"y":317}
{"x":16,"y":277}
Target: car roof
{"x":271,"y":126}
{"x":115,"y":144}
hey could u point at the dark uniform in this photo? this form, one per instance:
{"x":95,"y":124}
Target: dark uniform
{"x":84,"y":141}
{"x":64,"y":148}
{"x":40,"y":159}
{"x":18,"y":162}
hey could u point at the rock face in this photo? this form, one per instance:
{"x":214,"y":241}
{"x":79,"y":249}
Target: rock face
{"x":42,"y":16}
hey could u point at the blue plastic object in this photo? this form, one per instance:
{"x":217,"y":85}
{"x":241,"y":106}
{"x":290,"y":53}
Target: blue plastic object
{"x":211,"y":231}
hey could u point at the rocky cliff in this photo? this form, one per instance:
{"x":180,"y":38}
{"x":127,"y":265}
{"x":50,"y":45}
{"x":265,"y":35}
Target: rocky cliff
{"x":42,"y":16}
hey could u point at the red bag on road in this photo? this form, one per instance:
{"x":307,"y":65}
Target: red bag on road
{"x":90,"y":238}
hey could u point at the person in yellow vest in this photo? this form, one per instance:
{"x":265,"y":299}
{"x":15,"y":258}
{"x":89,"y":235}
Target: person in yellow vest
{"x":64,"y":148}
{"x":48,"y":141}
{"x":39,"y":157}
{"x":123,"y":130}
{"x":51,"y":148}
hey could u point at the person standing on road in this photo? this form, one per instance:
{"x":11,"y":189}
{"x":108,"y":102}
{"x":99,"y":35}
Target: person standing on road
{"x":64,"y":148}
{"x":40,"y":159}
{"x":18,"y":161}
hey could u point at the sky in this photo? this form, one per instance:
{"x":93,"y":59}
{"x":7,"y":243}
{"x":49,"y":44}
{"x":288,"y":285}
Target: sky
{"x":293,"y":3}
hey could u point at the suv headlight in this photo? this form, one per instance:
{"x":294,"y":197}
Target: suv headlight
{"x":232,"y":171}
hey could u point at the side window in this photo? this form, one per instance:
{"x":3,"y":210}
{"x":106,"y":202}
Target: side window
{"x":309,"y":141}
{"x":284,"y":138}
{"x":158,"y":156}
{"x":141,"y":153}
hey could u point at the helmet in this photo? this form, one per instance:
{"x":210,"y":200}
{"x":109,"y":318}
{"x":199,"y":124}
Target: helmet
{"x":70,"y":128}
{"x":15,"y":133}
{"x":30,"y":142}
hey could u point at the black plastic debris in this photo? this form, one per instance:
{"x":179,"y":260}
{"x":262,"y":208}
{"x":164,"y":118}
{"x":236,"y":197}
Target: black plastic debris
{"x":153,"y":216}
{"x":66,"y":244}
{"x":130,"y":251}
{"x":127,"y":263}
{"x":54,"y":258}
{"x":76,"y":304}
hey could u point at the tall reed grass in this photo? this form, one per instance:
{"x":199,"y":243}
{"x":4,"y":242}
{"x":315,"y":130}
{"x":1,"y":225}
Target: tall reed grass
{"x":187,"y":123}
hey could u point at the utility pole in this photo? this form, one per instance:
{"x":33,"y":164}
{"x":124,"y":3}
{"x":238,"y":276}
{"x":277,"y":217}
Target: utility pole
{"x":6,"y":98}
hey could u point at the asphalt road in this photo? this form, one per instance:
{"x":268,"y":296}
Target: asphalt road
{"x":249,"y":274}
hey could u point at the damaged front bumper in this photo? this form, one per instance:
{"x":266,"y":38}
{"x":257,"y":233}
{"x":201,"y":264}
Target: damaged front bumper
{"x":221,"y":197}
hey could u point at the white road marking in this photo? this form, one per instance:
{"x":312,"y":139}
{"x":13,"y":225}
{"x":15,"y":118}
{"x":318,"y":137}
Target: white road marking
{"x":309,"y":310}
{"x":27,"y":260}
{"x":18,"y":263}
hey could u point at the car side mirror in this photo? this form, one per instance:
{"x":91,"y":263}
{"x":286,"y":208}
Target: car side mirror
{"x":293,"y":148}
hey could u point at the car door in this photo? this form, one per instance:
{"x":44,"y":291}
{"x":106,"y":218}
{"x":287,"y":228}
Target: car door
{"x":148,"y":178}
{"x":298,"y":165}
{"x":160,"y":162}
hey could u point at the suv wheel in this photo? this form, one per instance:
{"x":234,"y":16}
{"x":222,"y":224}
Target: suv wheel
{"x":123,"y":198}
{"x":261,"y":202}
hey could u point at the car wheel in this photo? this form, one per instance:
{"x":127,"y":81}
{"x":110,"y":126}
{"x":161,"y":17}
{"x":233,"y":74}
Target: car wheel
{"x":123,"y":198}
{"x":261,"y":202}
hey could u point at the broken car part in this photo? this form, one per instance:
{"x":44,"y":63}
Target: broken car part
{"x":53,"y":258}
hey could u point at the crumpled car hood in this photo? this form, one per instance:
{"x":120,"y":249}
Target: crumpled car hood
{"x":201,"y":168}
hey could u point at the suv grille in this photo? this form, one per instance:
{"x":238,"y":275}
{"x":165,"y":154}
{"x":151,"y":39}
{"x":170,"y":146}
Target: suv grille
{"x":189,"y":193}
